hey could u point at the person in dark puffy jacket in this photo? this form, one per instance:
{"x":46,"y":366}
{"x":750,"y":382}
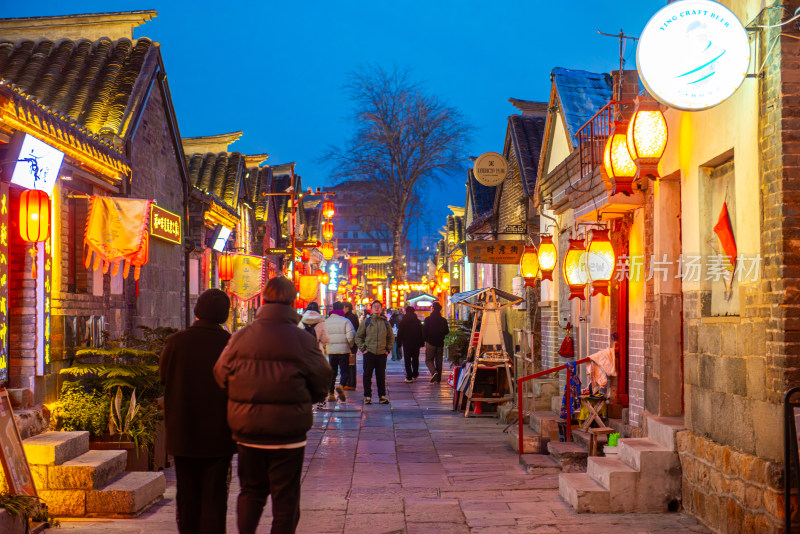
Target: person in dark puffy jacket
{"x":434,"y":330}
{"x":409,"y":337}
{"x":274,"y":372}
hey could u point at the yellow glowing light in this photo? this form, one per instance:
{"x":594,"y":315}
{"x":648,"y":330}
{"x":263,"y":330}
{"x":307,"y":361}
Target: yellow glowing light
{"x":617,"y":162}
{"x":529,"y":265}
{"x":547,"y":256}
{"x":328,"y":211}
{"x":574,"y":268}
{"x":327,"y":250}
{"x":327,"y":230}
{"x":646,"y":138}
{"x":601,"y":261}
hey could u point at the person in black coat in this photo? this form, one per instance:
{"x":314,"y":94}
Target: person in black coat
{"x":196,"y":417}
{"x":353,"y":318}
{"x":409,"y":337}
{"x":434,"y":330}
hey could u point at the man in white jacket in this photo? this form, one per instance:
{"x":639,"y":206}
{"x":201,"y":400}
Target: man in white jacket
{"x":314,"y":323}
{"x":341,"y":334}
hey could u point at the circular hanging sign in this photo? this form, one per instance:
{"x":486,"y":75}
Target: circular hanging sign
{"x":693,"y":54}
{"x":490,"y":168}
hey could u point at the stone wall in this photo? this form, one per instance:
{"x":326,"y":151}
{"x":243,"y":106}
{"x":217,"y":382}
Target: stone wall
{"x":157,"y":175}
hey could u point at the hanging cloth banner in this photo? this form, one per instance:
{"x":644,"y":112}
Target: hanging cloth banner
{"x":116,"y":232}
{"x":724,"y":232}
{"x":308,"y":286}
{"x":248,"y":276}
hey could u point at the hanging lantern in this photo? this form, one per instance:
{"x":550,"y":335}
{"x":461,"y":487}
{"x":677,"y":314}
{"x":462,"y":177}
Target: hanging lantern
{"x":327,"y":250}
{"x":600,"y":261}
{"x":325,"y":279}
{"x":305,"y":255}
{"x":529,"y":266}
{"x":354,"y":282}
{"x":646,"y":138}
{"x":327,"y":230}
{"x":617,"y":163}
{"x":225,"y":268}
{"x":547,"y":256}
{"x":328,"y":211}
{"x":575,"y":269}
{"x":353,"y":270}
{"x":34,"y":216}
{"x":432,"y":284}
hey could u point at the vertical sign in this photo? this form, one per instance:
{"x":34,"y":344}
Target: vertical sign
{"x":3,"y":283}
{"x":12,"y":454}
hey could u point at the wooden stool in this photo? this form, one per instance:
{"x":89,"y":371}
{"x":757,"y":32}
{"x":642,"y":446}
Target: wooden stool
{"x":593,"y":406}
{"x":593,"y":433}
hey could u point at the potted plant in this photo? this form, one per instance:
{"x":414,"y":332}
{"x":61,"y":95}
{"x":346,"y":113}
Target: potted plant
{"x":456,"y":343}
{"x":20,"y":514}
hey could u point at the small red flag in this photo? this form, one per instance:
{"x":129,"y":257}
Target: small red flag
{"x":724,"y":232}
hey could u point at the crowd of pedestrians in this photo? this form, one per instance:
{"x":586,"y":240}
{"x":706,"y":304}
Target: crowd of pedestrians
{"x":258,"y":388}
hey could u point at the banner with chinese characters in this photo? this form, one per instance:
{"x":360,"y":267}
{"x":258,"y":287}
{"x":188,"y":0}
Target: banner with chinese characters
{"x":248,"y":276}
{"x":3,"y":284}
{"x":495,"y":251}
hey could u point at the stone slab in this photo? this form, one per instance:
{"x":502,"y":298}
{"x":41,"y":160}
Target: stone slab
{"x":55,"y":448}
{"x":582,"y":493}
{"x":539,"y":464}
{"x":571,"y":456}
{"x":532,"y":444}
{"x":10,"y":524}
{"x":65,"y":503}
{"x":90,"y":470}
{"x":662,"y":430}
{"x":126,"y":496}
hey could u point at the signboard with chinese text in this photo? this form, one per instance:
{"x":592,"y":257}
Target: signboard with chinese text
{"x":248,"y":276}
{"x":308,"y":244}
{"x":277,"y":251}
{"x":495,"y":251}
{"x":3,"y":283}
{"x":12,"y":453}
{"x":165,"y":224}
{"x":490,"y":169}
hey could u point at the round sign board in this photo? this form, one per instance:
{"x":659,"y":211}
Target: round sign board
{"x":693,"y":54}
{"x":490,"y":168}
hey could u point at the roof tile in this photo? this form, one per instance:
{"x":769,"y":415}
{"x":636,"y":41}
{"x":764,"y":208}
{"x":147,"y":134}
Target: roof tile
{"x":581,"y":94}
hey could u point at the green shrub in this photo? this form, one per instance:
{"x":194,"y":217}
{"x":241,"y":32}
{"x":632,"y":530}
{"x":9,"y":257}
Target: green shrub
{"x":82,"y":410}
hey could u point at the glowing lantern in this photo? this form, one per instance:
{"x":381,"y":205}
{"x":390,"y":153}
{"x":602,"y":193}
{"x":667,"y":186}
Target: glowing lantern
{"x":324,"y":278}
{"x":327,"y":250}
{"x":647,"y":136}
{"x":327,"y":230}
{"x":353,"y":270}
{"x":617,"y":163}
{"x":354,"y":282}
{"x":575,"y":274}
{"x":547,"y":256}
{"x":600,"y":261}
{"x":529,"y":266}
{"x":432,"y":284}
{"x":305,"y":255}
{"x":225,"y":268}
{"x":34,"y":215}
{"x":328,"y":210}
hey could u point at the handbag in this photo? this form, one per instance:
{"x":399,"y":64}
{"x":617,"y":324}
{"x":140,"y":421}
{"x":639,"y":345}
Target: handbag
{"x":567,"y":349}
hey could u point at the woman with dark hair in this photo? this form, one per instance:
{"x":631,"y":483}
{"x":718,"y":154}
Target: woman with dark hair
{"x":409,"y":337}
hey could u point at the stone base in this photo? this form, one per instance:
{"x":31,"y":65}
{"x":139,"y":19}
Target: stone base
{"x":531,"y":444}
{"x":10,"y":524}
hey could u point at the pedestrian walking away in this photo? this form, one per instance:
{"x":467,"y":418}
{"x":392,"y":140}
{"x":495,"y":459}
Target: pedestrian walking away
{"x":434,"y":330}
{"x":375,"y":339}
{"x":273,"y":372}
{"x":409,"y":337}
{"x":199,"y":440}
{"x":342,"y":335}
{"x":314,"y":323}
{"x":394,"y":320}
{"x":353,"y":318}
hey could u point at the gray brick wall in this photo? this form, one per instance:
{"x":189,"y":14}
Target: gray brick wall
{"x":635,"y":373}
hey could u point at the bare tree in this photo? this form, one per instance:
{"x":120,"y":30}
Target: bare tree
{"x":404,"y":140}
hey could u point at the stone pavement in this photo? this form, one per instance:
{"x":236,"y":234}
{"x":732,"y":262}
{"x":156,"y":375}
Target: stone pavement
{"x":413,"y":466}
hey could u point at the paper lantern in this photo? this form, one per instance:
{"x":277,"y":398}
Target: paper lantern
{"x":327,"y":250}
{"x":328,"y":211}
{"x":34,"y":216}
{"x":353,"y":270}
{"x":305,"y":254}
{"x":600,"y":261}
{"x":646,"y":137}
{"x":354,"y":282}
{"x":617,"y":163}
{"x":547,"y":256}
{"x":574,"y":268}
{"x":225,"y":268}
{"x":432,"y":284}
{"x":529,"y":266}
{"x":327,"y":230}
{"x":324,"y":278}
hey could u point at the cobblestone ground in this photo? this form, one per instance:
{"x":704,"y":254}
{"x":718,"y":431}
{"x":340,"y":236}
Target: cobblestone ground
{"x":412,"y":467}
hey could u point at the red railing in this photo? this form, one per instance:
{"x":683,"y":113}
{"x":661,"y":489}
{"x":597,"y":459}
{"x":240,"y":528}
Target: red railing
{"x":592,"y":136}
{"x":566,"y":395}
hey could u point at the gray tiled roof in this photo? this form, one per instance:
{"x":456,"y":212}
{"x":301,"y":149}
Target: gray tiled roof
{"x":482,"y":196}
{"x":526,"y":136}
{"x":219,"y":175}
{"x":581,"y":95}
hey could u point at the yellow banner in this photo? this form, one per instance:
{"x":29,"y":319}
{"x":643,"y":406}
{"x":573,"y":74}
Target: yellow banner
{"x":309,"y":285}
{"x":247,"y":281}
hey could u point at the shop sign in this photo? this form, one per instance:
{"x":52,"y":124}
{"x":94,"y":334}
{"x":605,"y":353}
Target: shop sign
{"x":4,"y":283}
{"x":333,"y":274}
{"x":277,"y":251}
{"x":248,"y":276}
{"x":221,"y":238}
{"x":495,"y":251}
{"x":165,"y":224}
{"x":490,"y":169}
{"x":37,"y":164}
{"x":12,"y":453}
{"x":308,"y":244}
{"x":693,"y":54}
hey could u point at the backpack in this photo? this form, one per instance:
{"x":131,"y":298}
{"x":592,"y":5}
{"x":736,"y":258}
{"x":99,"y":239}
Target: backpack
{"x":310,"y":329}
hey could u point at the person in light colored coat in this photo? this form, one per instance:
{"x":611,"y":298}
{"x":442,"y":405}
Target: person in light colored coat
{"x":314,"y":324}
{"x":341,"y":334}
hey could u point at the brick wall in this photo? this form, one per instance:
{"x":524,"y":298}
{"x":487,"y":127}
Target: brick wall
{"x":512,"y":211}
{"x":157,"y":175}
{"x":550,"y":335}
{"x":635,"y":373}
{"x":22,"y":300}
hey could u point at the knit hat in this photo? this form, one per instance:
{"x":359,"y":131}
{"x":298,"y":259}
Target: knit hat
{"x":213,"y":305}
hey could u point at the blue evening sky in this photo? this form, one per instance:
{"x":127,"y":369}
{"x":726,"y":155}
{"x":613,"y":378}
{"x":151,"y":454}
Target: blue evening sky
{"x":275,"y":70}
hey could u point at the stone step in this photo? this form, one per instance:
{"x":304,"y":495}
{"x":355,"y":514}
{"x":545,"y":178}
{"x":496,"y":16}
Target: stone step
{"x":55,"y":448}
{"x":544,"y":389}
{"x":127,"y":496}
{"x":555,"y":403}
{"x":545,"y":423}
{"x":90,"y":470}
{"x":539,"y":464}
{"x":570,"y":456}
{"x":643,"y":454}
{"x":614,"y":475}
{"x":662,"y":430}
{"x":508,"y":413}
{"x":583,"y":493}
{"x":532,"y":444}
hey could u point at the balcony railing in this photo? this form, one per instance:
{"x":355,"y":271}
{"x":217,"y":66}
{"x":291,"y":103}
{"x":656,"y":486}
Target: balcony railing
{"x":593,"y":135}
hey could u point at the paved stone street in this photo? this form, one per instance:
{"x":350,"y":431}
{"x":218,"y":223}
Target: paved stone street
{"x":411,"y":467}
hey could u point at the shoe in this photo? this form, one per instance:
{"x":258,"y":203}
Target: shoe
{"x":349,"y":388}
{"x":331,"y":397}
{"x":434,"y":378}
{"x":321,"y":406}
{"x":408,"y":380}
{"x":416,"y":376}
{"x":367,"y":400}
{"x":384,"y":400}
{"x":340,"y":393}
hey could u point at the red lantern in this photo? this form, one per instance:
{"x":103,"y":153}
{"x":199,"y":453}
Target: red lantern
{"x":548,"y":257}
{"x":353,"y":271}
{"x":574,"y":266}
{"x":324,"y":278}
{"x":354,"y":282}
{"x":34,"y":215}
{"x":328,"y":210}
{"x":305,"y":255}
{"x":327,"y":250}
{"x":327,"y":230}
{"x":225,"y":268}
{"x":529,"y":266}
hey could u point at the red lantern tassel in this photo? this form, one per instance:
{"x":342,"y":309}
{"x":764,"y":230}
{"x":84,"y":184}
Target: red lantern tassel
{"x":137,"y":287}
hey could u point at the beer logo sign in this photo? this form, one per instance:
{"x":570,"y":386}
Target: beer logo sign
{"x":490,"y":169}
{"x":693,"y":54}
